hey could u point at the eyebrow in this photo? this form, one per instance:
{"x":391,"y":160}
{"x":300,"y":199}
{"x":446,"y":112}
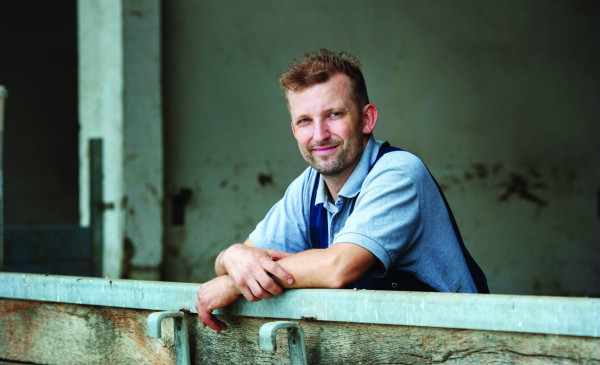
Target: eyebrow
{"x":343,"y":108}
{"x":327,"y":111}
{"x":302,"y":116}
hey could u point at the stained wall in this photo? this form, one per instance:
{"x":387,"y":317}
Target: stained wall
{"x":500,"y":99}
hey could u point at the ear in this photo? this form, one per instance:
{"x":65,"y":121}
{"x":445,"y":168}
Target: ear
{"x":369,"y":114}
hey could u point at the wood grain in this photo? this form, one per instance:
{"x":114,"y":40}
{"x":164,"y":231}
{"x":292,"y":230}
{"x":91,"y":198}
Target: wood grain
{"x":58,"y":333}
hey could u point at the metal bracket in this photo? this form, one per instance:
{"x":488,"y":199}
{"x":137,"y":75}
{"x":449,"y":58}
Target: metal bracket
{"x":268,"y":341}
{"x":180,"y":331}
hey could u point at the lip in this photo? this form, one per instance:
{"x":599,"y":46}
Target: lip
{"x":324,"y":150}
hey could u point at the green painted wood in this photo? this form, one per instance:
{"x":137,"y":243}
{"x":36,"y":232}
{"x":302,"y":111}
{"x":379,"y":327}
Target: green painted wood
{"x":512,"y":313}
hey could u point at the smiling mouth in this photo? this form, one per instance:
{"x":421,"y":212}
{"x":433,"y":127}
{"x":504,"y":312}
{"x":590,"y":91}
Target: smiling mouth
{"x":323,"y":150}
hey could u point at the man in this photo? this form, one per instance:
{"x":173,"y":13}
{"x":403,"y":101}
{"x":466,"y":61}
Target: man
{"x":363,"y":214}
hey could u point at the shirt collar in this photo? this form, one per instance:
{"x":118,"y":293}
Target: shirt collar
{"x":352,"y":186}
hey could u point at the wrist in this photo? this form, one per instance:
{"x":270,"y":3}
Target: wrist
{"x":220,"y":268}
{"x":223,"y":258}
{"x":231,"y":287}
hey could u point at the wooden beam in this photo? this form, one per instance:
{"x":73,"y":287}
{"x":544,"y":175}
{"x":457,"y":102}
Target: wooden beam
{"x":60,"y":333}
{"x":56,"y":333}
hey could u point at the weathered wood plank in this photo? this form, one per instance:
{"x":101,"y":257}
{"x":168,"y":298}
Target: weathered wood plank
{"x":352,"y":343}
{"x":58,"y":333}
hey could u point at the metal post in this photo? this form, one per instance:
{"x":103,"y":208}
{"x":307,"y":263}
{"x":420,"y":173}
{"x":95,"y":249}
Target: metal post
{"x":268,"y":342}
{"x":97,"y":206}
{"x":3,"y":95}
{"x":180,"y":332}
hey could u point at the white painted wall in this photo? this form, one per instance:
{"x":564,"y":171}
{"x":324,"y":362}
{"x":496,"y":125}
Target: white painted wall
{"x":120,"y":102}
{"x":500,"y":99}
{"x":100,"y":41}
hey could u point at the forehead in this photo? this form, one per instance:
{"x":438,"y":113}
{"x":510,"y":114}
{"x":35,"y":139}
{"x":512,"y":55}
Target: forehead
{"x":335,"y":92}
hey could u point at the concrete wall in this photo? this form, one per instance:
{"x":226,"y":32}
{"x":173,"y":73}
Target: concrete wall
{"x":500,"y":99}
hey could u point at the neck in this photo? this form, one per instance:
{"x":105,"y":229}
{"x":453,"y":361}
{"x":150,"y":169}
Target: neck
{"x":335,"y":184}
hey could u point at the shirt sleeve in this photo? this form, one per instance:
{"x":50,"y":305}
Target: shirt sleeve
{"x":285,"y":227}
{"x":387,"y":215}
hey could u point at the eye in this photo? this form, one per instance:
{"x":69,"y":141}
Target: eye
{"x":335,"y":115}
{"x":303,"y":121}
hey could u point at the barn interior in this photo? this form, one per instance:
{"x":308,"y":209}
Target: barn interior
{"x":193,"y":142}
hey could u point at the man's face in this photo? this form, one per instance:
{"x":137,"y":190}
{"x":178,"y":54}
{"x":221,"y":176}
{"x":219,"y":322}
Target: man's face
{"x":328,"y":126}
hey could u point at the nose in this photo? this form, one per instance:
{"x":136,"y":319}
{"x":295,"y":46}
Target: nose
{"x":321,"y":131}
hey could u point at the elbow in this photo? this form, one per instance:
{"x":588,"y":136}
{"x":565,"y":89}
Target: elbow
{"x":343,"y":277}
{"x":337,"y":283}
{"x":347,"y":269}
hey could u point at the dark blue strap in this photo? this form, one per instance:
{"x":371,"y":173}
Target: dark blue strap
{"x":319,"y":235}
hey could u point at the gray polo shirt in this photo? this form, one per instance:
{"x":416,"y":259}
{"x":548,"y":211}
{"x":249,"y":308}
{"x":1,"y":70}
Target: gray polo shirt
{"x":399,"y":216}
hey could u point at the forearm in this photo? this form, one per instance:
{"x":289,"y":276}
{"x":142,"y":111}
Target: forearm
{"x":334,"y":267}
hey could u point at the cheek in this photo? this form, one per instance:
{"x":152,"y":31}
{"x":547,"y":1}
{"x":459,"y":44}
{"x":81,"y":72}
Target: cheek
{"x":302,"y":136}
{"x":346,"y":131}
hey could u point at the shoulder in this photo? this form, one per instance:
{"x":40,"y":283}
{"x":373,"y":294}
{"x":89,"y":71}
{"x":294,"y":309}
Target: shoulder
{"x":304,"y":182}
{"x":395,"y":164}
{"x":300,"y":189}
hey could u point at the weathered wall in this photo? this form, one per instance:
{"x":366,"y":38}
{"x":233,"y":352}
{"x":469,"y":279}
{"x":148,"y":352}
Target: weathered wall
{"x":499,"y":99}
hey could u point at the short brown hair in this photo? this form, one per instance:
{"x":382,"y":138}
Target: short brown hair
{"x":317,"y":67}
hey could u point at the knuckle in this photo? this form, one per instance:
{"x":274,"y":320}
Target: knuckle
{"x":241,"y":284}
{"x":270,"y":286}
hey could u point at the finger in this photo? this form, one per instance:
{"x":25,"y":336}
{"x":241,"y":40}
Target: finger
{"x":259,"y":292}
{"x":216,"y":324}
{"x":212,"y":322}
{"x":269,"y":285}
{"x":272,"y":286}
{"x":276,"y":270}
{"x":247,"y":293}
{"x":277,"y":255}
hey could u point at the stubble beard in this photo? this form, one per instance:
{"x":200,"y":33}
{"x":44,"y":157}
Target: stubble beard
{"x":338,"y":164}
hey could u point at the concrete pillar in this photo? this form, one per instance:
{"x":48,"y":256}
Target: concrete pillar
{"x":120,"y":102}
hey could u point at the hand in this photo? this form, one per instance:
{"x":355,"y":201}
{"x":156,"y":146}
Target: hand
{"x":215,"y":294}
{"x":253,"y":271}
